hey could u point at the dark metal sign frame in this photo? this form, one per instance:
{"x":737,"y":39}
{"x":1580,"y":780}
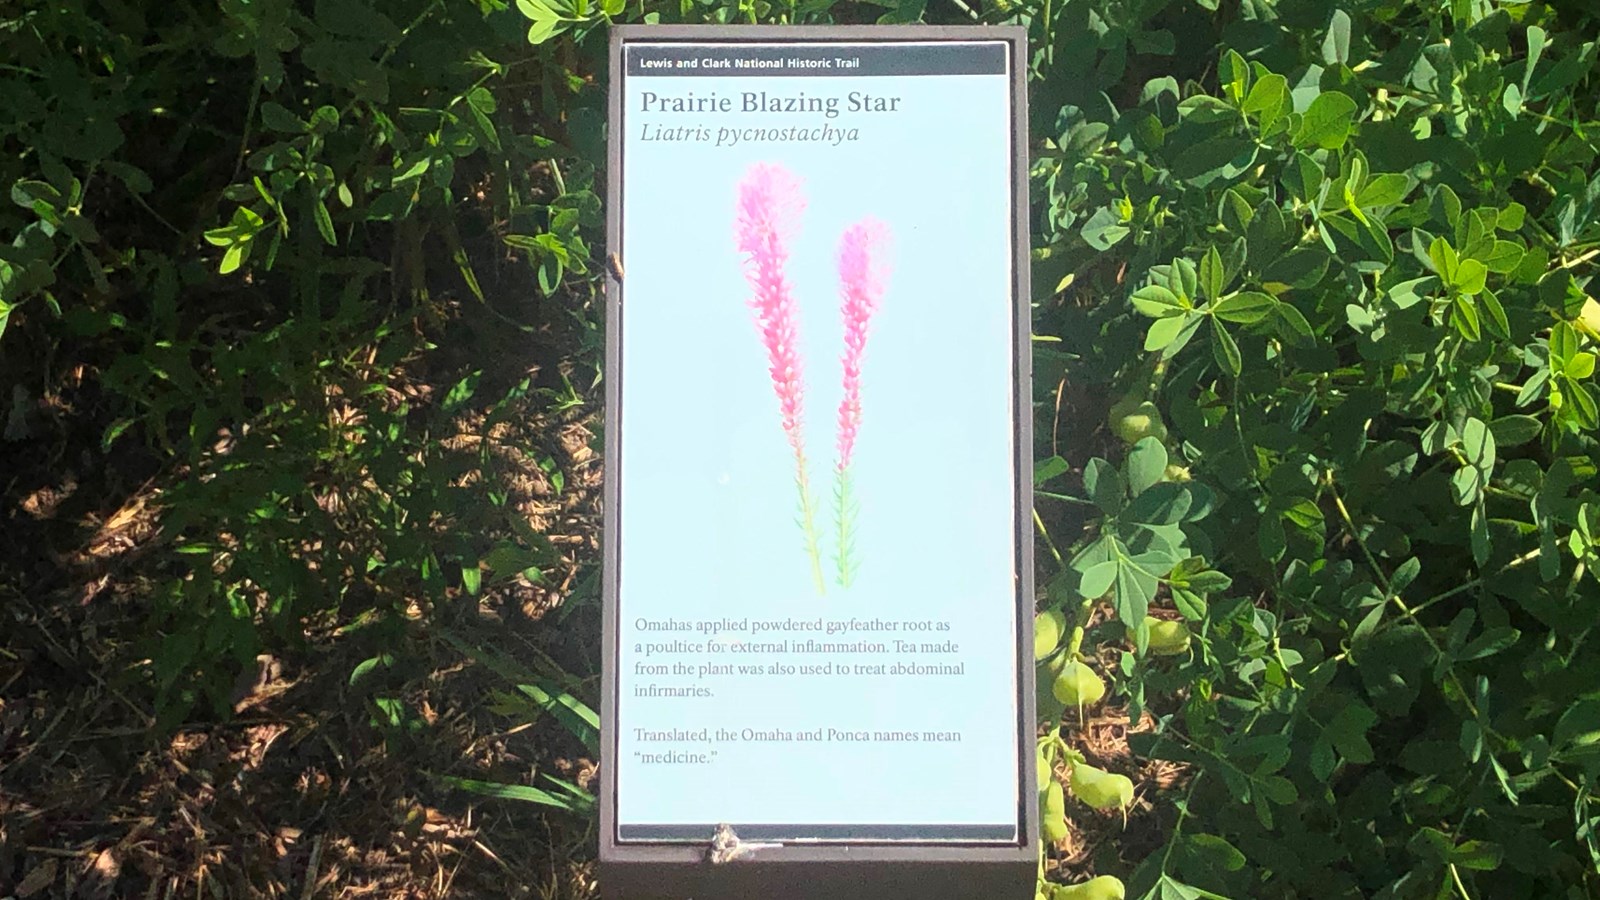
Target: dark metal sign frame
{"x":931,"y":870}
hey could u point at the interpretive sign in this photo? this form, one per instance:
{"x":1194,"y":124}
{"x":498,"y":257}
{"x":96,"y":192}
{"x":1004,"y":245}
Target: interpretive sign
{"x":818,"y":571}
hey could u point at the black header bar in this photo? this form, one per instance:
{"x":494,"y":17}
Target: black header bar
{"x":816,"y":59}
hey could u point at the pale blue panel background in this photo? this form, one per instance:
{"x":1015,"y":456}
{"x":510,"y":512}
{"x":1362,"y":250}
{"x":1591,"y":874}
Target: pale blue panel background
{"x":709,"y":505}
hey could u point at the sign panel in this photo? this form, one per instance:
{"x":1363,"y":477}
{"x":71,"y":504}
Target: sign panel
{"x":817,"y":552}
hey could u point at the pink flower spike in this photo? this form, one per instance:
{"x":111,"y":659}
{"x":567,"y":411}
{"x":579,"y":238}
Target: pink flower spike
{"x":770,"y":204}
{"x":765,"y":219}
{"x":863,"y":271}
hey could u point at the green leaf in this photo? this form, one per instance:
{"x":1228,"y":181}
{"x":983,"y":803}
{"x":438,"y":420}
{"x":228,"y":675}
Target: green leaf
{"x":480,"y":105}
{"x":1494,"y":316}
{"x":1162,"y":504}
{"x":1514,"y":430}
{"x":1302,"y":267}
{"x":367,"y":666}
{"x":460,"y":392}
{"x":1048,"y":468}
{"x":1097,"y":579}
{"x":1579,"y":726}
{"x":1135,"y":587}
{"x":1492,"y":641}
{"x":1407,"y":294}
{"x":1477,"y":443}
{"x":324,"y":120}
{"x":357,"y":19}
{"x":1563,"y":346}
{"x":1445,"y":261}
{"x":1511,"y":99}
{"x":133,"y":178}
{"x":1244,"y":308}
{"x":546,"y":22}
{"x":1233,"y":74}
{"x":1190,"y":605}
{"x":1217,"y":851}
{"x":1293,"y":325}
{"x":1212,"y":277}
{"x":1347,"y":731}
{"x":1215,"y":160}
{"x":324,"y":222}
{"x":1464,"y":316}
{"x":31,"y":194}
{"x":1171,"y":334}
{"x":1104,"y":485}
{"x":1268,"y":100}
{"x":1157,"y":302}
{"x":1336,"y":45}
{"x":1226,"y":351}
{"x":1383,"y":190}
{"x":1504,"y":257}
{"x":1278,"y":789}
{"x":1584,"y":408}
{"x":234,"y":257}
{"x":1105,"y":229}
{"x":501,"y":791}
{"x":1147,"y":463}
{"x":1327,"y":122}
{"x":113,"y":431}
{"x":277,"y":117}
{"x":1536,"y":42}
{"x":1482,"y":856}
{"x":1480,"y":540}
{"x":1471,"y":277}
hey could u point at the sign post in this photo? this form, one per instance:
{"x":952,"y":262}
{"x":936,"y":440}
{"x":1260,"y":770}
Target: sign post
{"x":818,"y":569}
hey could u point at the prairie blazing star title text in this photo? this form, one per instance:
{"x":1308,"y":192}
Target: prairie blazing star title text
{"x":828,"y":106}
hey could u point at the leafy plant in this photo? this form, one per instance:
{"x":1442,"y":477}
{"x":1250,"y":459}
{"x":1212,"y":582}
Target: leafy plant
{"x":268,"y":322}
{"x":1338,"y":272}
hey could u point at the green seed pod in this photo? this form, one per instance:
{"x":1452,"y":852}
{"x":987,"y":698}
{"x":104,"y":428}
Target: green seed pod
{"x":1105,"y":887}
{"x":1053,"y":813}
{"x":1168,"y":637}
{"x":1125,"y":405}
{"x":1048,"y":627}
{"x":1099,"y":789}
{"x":1138,"y":423}
{"x":1078,"y":686}
{"x":1048,"y":706}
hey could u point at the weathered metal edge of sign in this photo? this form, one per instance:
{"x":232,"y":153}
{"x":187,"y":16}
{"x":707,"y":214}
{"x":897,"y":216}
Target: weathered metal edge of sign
{"x":928,"y":871}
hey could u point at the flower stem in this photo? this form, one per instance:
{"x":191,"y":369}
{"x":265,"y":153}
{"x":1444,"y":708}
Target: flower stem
{"x":841,"y":500}
{"x":809,"y":522}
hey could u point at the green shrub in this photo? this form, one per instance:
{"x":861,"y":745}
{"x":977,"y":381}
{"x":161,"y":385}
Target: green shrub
{"x":265,"y":228}
{"x":1344,"y":260}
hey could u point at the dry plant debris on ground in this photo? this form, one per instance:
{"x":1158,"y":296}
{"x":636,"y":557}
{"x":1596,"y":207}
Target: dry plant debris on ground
{"x":300,"y":794}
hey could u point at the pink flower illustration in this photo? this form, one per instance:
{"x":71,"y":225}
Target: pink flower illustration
{"x":767,"y":217}
{"x":863,"y":272}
